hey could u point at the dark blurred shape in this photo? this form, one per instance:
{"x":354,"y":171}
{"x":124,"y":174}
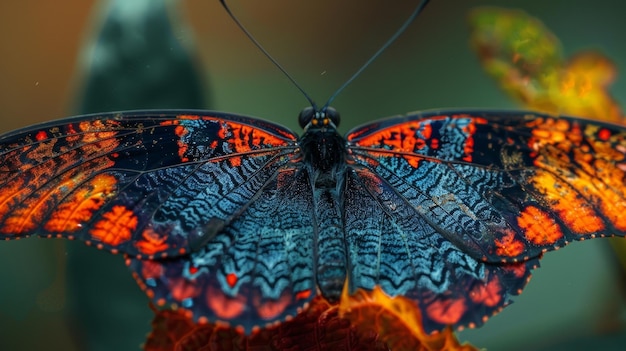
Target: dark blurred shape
{"x":141,"y":57}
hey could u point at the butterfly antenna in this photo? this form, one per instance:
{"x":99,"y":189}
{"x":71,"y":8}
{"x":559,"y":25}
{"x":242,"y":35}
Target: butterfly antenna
{"x":267,"y":54}
{"x":393,"y":38}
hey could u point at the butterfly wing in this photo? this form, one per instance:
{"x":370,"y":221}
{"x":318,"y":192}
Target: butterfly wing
{"x":146,"y":183}
{"x":464,"y":204}
{"x":256,"y":271}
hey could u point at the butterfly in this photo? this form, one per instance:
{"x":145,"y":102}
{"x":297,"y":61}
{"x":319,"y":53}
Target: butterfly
{"x":240,"y":220}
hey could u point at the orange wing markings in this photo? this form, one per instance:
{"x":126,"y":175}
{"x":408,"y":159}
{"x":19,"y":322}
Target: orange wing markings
{"x":47,"y":172}
{"x":470,"y":130}
{"x":539,"y":227}
{"x":564,"y":198}
{"x":607,"y":173}
{"x":509,"y":245}
{"x":245,"y":138}
{"x":579,"y":179}
{"x":10,"y":196}
{"x":554,"y":131}
{"x":235,"y":161}
{"x":70,"y":214}
{"x":115,"y":227}
{"x":411,"y":137}
{"x":604,"y":145}
{"x":371,"y":181}
{"x":94,"y":131}
{"x":151,"y":242}
{"x":26,"y":205}
{"x":95,"y":138}
{"x":180,"y":132}
{"x":37,"y":153}
{"x":241,"y":137}
{"x":399,"y":137}
{"x":28,"y":211}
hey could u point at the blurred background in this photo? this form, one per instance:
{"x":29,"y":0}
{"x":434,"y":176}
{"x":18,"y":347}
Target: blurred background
{"x":63,"y":58}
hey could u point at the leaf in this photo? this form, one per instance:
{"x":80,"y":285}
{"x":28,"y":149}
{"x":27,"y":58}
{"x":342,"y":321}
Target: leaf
{"x":527,"y":61}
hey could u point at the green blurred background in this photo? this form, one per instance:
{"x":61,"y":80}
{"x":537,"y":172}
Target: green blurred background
{"x":575,"y":301}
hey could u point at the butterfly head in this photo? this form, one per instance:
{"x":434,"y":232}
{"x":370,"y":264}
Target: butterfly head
{"x":310,"y":117}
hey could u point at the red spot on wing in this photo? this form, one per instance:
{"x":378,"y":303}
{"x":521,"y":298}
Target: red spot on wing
{"x":41,"y":135}
{"x":303,"y":295}
{"x":151,"y":269}
{"x":446,"y":310}
{"x":72,"y":134}
{"x":223,"y":306}
{"x":488,"y":294}
{"x":604,"y":134}
{"x":517,"y":270}
{"x":434,"y":143}
{"x":182,"y":288}
{"x":270,"y":309}
{"x":231,"y":279}
{"x":115,"y":227}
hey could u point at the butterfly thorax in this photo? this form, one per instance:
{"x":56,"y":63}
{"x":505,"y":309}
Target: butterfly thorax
{"x":323,"y":149}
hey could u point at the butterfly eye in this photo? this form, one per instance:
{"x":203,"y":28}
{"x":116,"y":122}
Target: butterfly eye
{"x":333,"y":115}
{"x":306,"y":115}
